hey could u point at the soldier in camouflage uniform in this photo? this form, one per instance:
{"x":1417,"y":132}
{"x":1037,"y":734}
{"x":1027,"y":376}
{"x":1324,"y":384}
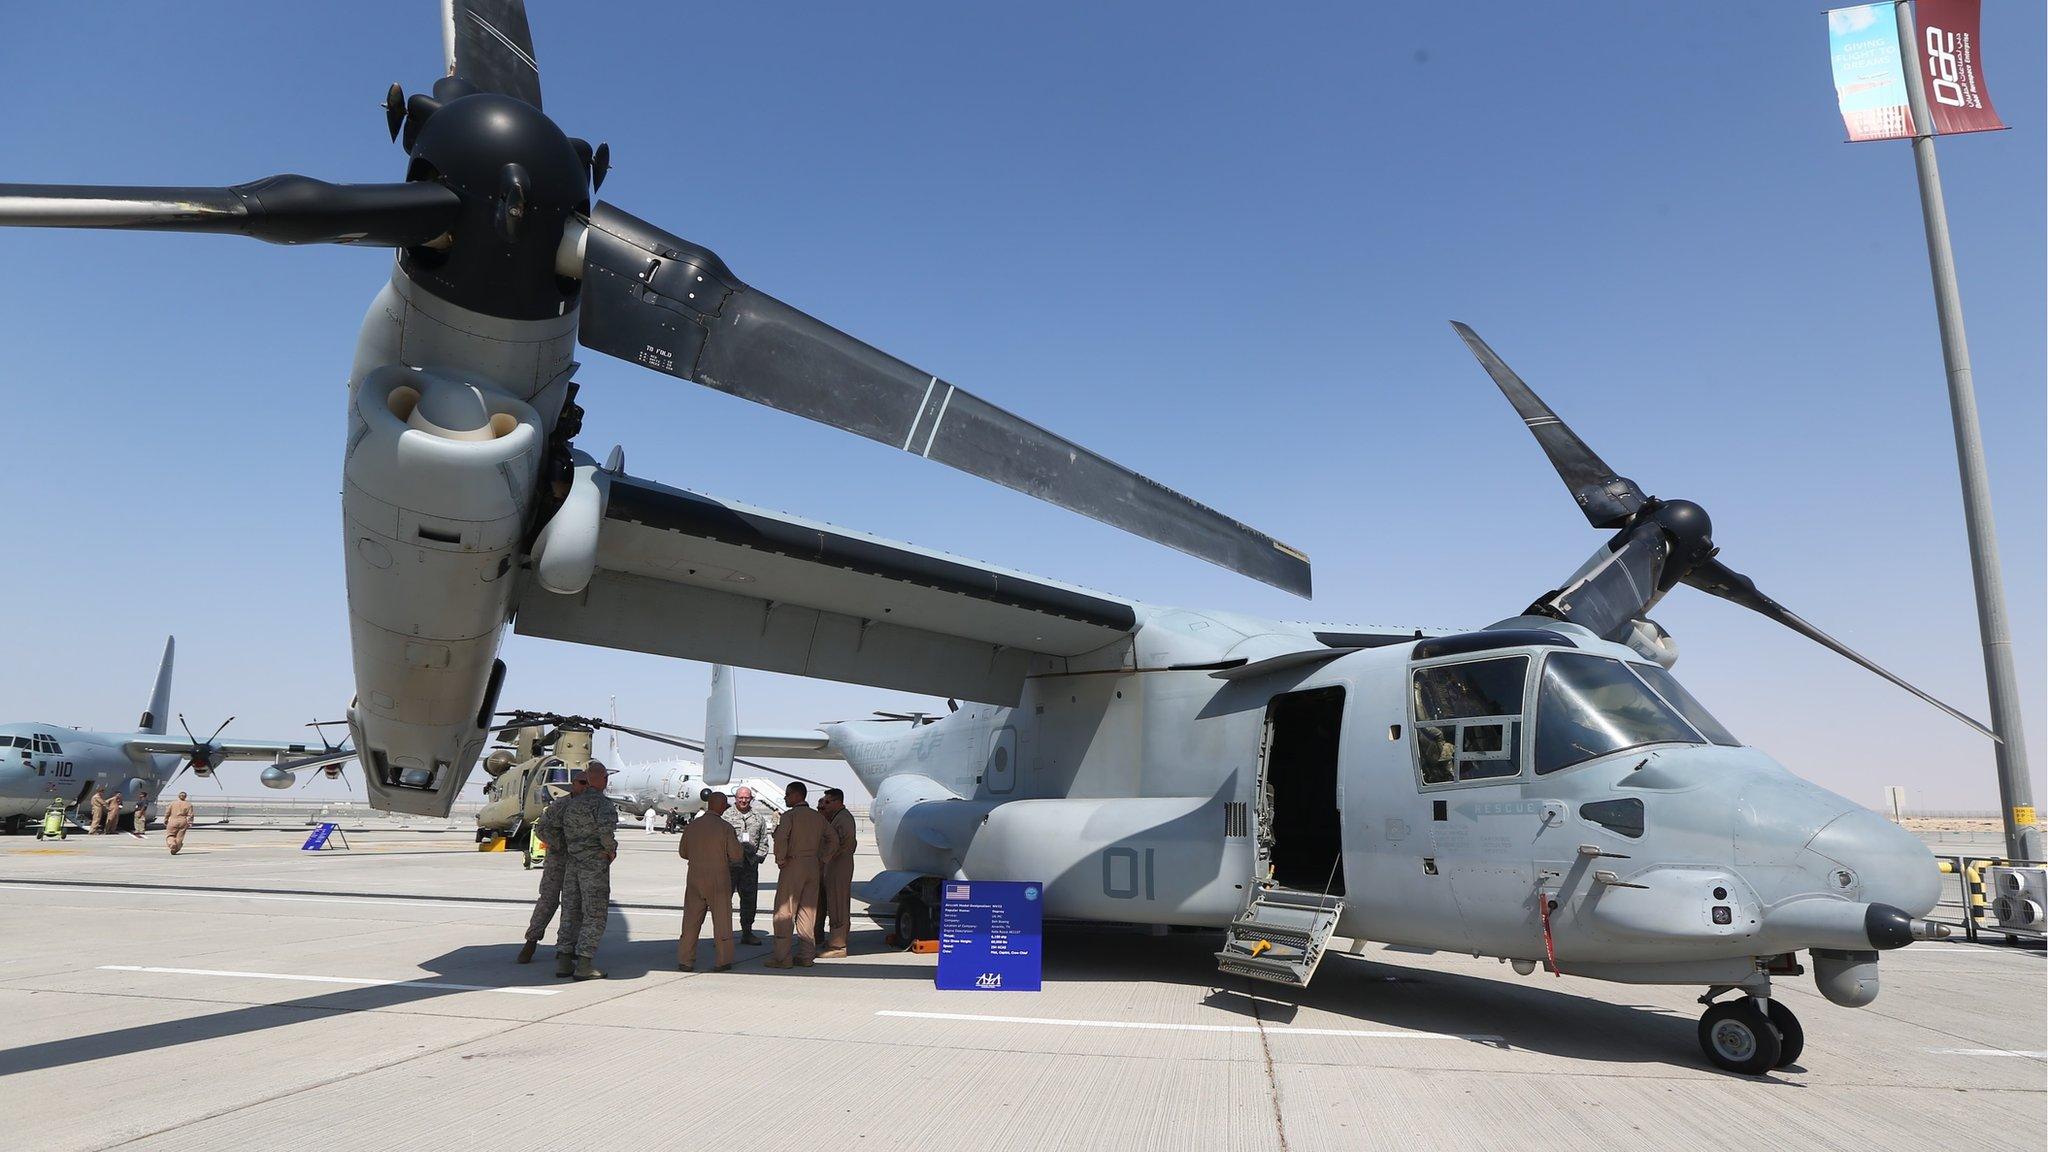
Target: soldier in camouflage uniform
{"x":751,"y":825}
{"x":549,"y":829}
{"x":590,"y":842}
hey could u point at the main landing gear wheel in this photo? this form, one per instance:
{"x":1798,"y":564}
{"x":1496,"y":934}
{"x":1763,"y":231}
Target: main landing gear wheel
{"x":1739,"y":1038}
{"x":913,"y":923}
{"x":14,"y":825}
{"x":1791,"y":1037}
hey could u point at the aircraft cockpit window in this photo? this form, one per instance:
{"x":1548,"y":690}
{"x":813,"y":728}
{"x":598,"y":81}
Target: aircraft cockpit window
{"x":1695,"y":713}
{"x":1589,"y":706}
{"x":557,"y":773}
{"x":1468,"y":720}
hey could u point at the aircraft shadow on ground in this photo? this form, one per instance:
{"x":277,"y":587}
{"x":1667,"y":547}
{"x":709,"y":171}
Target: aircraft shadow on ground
{"x":1529,"y":1015}
{"x":1526,"y":1013}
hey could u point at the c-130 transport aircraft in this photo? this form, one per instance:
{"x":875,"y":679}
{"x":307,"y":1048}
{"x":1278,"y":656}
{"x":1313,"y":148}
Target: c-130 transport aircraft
{"x":43,"y":764}
{"x":1540,"y":790}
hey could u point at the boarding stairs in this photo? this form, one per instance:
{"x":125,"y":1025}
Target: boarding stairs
{"x":1280,"y":935}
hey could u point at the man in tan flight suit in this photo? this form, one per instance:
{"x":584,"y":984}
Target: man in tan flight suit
{"x":99,"y":809}
{"x":141,"y":814}
{"x":712,"y":848}
{"x":802,"y":839}
{"x":177,"y":818}
{"x":113,"y":814}
{"x":835,"y":882}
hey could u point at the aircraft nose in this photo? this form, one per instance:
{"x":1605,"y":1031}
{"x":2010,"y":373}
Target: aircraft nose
{"x":1885,"y":864}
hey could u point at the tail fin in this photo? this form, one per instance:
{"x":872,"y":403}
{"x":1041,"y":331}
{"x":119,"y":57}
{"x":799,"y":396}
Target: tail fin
{"x":159,"y":714}
{"x":721,"y":720}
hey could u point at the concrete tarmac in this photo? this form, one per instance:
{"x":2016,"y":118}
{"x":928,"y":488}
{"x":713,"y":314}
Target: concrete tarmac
{"x":248,"y":995}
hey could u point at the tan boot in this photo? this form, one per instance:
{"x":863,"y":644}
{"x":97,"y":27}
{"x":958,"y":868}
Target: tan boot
{"x":832,"y":954}
{"x":777,"y":964}
{"x":586,"y":969}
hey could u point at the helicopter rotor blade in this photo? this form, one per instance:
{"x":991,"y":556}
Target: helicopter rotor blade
{"x":658,"y":737}
{"x":664,"y":303}
{"x":287,"y":209}
{"x":1717,"y":579}
{"x":1607,"y":499}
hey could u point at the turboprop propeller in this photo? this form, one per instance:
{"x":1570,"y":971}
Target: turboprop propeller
{"x":1657,"y":544}
{"x":201,"y":758}
{"x":495,"y":215}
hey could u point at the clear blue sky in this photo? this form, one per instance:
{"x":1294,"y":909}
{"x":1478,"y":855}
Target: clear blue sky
{"x":1218,"y":245}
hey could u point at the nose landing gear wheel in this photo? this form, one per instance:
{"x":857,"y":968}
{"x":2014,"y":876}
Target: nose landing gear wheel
{"x":1791,"y":1037}
{"x":1738,"y":1038}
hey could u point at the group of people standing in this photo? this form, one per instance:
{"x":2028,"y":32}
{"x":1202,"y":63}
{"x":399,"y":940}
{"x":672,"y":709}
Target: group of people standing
{"x":106,"y":816}
{"x":723,"y":849}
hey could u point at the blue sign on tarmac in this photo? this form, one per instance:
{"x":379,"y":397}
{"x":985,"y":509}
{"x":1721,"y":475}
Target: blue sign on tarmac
{"x":989,"y":936}
{"x":318,"y":840}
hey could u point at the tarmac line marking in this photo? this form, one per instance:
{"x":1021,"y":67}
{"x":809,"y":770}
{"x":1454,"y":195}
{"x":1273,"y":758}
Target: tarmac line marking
{"x":1149,"y":1026}
{"x":189,"y":894}
{"x":1987,"y":1052}
{"x":353,"y":981}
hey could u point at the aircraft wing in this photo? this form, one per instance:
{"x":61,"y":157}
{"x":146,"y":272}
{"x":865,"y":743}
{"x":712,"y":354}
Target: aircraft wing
{"x":289,"y":755}
{"x":686,"y":575}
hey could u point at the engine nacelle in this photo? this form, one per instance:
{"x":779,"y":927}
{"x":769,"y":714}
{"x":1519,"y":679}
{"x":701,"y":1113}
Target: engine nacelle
{"x":438,"y":489}
{"x":498,"y":763}
{"x":279,"y":778}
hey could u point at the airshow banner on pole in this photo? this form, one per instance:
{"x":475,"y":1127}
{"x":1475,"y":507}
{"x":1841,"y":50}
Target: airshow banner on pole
{"x":1870,"y":69}
{"x":1951,"y":68}
{"x":1870,"y":82}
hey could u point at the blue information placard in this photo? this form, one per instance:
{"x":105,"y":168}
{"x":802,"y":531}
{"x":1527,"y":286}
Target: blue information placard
{"x":318,"y":840}
{"x":989,"y":936}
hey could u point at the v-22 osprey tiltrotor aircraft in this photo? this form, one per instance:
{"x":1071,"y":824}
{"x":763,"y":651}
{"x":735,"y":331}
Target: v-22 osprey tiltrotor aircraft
{"x":1540,"y":790}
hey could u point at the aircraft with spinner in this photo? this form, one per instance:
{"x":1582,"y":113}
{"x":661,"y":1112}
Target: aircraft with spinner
{"x":42,"y":764}
{"x":1539,"y":790}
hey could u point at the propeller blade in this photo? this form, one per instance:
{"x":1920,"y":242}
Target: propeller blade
{"x":217,"y":731}
{"x":188,"y":730}
{"x":1718,"y":579}
{"x":1607,"y":499}
{"x":667,"y":304}
{"x":278,"y":209}
{"x":1617,"y":585}
{"x":488,"y":44}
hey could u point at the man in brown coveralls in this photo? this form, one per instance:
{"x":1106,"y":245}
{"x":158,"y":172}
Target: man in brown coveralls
{"x":835,"y":883}
{"x":802,"y":839}
{"x":177,"y":819}
{"x":141,"y":813}
{"x":99,"y":809}
{"x":113,"y":814}
{"x":712,"y":848}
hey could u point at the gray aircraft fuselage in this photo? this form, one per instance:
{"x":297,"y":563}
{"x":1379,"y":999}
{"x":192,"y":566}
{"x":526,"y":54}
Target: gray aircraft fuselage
{"x":1133,"y":791}
{"x":40,"y":763}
